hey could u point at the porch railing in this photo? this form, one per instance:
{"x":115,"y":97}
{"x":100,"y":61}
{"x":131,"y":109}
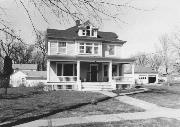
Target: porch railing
{"x":67,"y":78}
{"x":123,"y":79}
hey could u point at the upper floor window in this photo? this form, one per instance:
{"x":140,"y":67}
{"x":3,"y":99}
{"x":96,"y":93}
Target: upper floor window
{"x":88,"y":48}
{"x":88,"y":31}
{"x":61,"y":47}
{"x":111,"y":50}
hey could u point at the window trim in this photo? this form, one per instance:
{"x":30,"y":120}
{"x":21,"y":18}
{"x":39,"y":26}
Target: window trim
{"x":58,"y":47}
{"x":62,"y":70}
{"x":85,"y":45}
{"x":114,"y":50}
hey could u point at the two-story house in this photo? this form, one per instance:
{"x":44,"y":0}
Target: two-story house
{"x":83,"y":58}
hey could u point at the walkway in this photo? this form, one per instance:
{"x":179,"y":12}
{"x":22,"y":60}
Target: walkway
{"x":152,"y":111}
{"x":132,"y":101}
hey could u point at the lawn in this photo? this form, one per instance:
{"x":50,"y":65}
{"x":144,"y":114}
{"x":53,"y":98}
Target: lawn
{"x":29,"y":103}
{"x":156,"y":122}
{"x":110,"y":106}
{"x":166,"y":96}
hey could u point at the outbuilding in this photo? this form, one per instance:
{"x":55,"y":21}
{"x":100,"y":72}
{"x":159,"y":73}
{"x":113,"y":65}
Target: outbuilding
{"x":143,"y":75}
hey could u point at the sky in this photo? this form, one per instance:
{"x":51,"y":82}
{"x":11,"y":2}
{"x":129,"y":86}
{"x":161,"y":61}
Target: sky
{"x":142,"y":29}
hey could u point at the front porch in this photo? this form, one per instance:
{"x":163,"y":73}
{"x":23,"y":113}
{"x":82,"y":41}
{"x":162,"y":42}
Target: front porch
{"x":87,"y":75}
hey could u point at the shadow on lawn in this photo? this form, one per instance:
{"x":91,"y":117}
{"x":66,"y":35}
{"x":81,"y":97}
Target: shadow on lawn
{"x":52,"y":112}
{"x":16,"y":96}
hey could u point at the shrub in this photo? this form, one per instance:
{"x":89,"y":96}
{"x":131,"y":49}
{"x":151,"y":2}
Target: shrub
{"x":39,"y":87}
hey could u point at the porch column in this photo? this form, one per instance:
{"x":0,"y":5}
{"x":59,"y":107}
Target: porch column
{"x":78,"y":76}
{"x":132,"y":69}
{"x":110,"y":71}
{"x":48,"y":69}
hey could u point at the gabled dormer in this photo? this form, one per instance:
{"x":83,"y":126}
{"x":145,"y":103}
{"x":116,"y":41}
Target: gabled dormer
{"x":87,"y":29}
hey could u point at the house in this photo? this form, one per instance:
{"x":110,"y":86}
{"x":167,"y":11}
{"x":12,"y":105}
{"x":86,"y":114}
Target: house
{"x":24,"y":67}
{"x":84,"y":58}
{"x":27,"y":78}
{"x":143,"y":75}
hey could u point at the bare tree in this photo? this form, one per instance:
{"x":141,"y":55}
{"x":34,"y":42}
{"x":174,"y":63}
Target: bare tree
{"x":141,"y":59}
{"x":40,"y":55}
{"x":155,"y":61}
{"x":165,"y":52}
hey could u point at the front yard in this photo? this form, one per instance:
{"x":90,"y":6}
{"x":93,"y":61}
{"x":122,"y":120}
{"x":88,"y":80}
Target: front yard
{"x":110,"y":106}
{"x":156,"y":122}
{"x":28,"y":103}
{"x":166,"y":96}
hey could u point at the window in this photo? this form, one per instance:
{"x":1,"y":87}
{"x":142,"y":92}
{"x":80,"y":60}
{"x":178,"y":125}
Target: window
{"x":84,"y":32}
{"x":88,"y":31}
{"x":62,"y":47}
{"x":105,"y":70}
{"x":69,"y":87}
{"x":59,"y":69}
{"x":66,"y":69}
{"x":114,"y":70}
{"x":92,"y":33}
{"x":111,"y":50}
{"x":95,"y":48}
{"x":81,"y":47}
{"x":88,"y":48}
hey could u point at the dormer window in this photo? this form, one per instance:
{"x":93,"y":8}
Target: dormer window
{"x":84,"y":32}
{"x":88,"y":31}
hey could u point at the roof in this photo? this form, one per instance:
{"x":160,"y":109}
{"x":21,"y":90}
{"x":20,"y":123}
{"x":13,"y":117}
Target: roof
{"x":35,"y":74}
{"x":72,"y":33}
{"x":24,"y":66}
{"x":141,"y":70}
{"x":90,"y":58}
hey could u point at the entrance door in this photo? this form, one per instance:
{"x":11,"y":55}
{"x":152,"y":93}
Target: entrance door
{"x":94,"y":72}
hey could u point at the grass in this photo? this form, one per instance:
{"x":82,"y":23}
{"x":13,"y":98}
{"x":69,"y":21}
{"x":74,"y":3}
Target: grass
{"x":156,"y":122}
{"x":23,"y":103}
{"x":166,"y":96}
{"x":111,"y":106}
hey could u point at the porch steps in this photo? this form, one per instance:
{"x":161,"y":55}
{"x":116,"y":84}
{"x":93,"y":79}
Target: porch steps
{"x":89,"y":86}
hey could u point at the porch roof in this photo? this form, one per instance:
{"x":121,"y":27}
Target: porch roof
{"x":89,"y":58}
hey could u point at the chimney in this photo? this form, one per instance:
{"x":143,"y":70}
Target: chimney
{"x":77,"y":22}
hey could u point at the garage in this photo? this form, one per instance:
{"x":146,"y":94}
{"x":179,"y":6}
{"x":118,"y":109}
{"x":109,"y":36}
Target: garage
{"x":151,"y":78}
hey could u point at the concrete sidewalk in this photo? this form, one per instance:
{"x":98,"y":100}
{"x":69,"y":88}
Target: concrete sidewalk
{"x":104,"y":118}
{"x":132,"y":101}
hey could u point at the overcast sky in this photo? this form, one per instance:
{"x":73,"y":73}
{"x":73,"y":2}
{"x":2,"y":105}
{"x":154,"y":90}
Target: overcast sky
{"x":141,"y":30}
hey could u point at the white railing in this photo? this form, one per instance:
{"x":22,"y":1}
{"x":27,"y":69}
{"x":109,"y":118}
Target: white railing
{"x":123,"y":79}
{"x":67,"y":78}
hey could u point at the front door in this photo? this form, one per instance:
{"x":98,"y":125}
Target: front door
{"x":94,"y":72}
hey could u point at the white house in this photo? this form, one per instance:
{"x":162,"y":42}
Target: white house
{"x":24,"y":67}
{"x":143,"y":75}
{"x":27,"y":78}
{"x":84,"y":58}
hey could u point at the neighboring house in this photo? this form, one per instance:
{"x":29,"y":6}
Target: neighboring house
{"x":84,"y":58}
{"x":143,"y":75}
{"x":27,"y":78}
{"x":24,"y":67}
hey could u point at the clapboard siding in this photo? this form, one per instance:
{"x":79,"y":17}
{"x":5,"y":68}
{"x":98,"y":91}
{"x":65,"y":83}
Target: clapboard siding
{"x":70,"y":48}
